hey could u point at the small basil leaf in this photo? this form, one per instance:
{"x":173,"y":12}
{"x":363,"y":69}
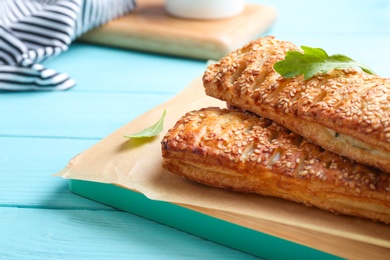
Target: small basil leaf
{"x":313,"y":61}
{"x":150,"y":131}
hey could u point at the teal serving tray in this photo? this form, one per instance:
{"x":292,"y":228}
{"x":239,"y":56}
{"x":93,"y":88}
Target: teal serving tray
{"x":256,"y":243}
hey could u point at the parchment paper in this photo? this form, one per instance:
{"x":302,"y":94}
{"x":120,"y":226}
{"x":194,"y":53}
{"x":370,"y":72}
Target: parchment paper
{"x":136,"y":165}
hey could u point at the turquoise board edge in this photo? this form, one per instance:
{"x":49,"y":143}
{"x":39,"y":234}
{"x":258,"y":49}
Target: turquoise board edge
{"x":224,"y":233}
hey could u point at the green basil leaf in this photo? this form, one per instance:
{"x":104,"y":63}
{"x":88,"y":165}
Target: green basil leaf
{"x":150,"y":131}
{"x":313,"y":61}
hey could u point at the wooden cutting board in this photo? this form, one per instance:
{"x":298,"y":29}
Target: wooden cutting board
{"x":121,"y":162}
{"x":149,"y":28}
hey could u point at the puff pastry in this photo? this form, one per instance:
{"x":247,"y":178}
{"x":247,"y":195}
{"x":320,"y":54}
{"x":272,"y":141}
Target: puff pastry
{"x":344,"y":111}
{"x":243,"y":152}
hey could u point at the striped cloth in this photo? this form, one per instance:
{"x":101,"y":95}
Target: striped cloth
{"x":32,"y":31}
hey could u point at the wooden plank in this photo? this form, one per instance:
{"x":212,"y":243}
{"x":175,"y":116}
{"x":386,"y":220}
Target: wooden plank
{"x":70,"y":114}
{"x":75,"y":234}
{"x":97,"y":68}
{"x":331,"y":17}
{"x":27,"y":166}
{"x":150,"y":28}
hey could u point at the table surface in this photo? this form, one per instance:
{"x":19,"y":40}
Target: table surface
{"x":41,"y":131}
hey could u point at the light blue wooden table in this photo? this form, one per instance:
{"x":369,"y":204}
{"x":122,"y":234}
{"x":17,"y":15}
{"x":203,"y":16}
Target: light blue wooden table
{"x":41,"y":131}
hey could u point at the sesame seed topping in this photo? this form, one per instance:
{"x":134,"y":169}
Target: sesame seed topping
{"x":303,"y":173}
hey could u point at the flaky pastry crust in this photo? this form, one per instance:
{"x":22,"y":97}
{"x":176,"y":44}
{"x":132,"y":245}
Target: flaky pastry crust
{"x":344,"y":111}
{"x":243,"y":152}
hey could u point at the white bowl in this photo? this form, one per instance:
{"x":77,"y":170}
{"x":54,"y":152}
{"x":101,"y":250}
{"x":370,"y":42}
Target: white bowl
{"x":204,"y":9}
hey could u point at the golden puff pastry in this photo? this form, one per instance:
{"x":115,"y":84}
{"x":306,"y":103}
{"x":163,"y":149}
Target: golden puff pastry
{"x":344,"y":111}
{"x":243,"y":152}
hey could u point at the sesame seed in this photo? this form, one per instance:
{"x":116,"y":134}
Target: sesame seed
{"x":303,"y":173}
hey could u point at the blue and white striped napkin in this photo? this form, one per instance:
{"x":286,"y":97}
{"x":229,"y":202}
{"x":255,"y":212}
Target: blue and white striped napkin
{"x":31,"y":31}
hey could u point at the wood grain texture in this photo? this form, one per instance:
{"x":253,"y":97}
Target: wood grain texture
{"x":44,"y":233}
{"x":107,"y":69}
{"x":73,"y":115}
{"x":150,"y":28}
{"x":29,"y":164}
{"x":40,"y":132}
{"x":347,"y":248}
